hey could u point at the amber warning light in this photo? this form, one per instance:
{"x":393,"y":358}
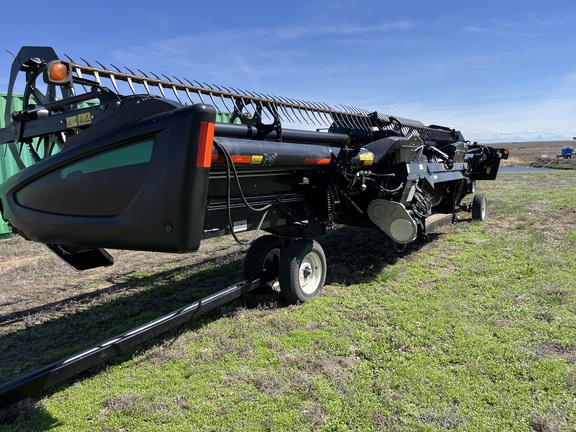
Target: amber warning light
{"x":58,"y":72}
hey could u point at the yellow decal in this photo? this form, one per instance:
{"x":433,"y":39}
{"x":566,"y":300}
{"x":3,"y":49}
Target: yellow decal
{"x":72,"y":121}
{"x":256,"y":159}
{"x":488,"y":169}
{"x":83,"y":119}
{"x":368,"y":158}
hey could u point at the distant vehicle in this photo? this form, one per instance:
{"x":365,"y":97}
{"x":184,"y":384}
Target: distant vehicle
{"x":567,"y":153}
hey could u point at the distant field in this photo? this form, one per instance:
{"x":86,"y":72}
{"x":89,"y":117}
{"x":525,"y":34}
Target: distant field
{"x":542,"y":153}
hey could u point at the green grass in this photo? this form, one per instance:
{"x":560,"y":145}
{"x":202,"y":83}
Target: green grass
{"x":472,"y":331}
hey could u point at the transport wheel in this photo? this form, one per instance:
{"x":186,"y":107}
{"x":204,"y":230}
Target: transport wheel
{"x":302,"y":271}
{"x":264,"y":254}
{"x":479,"y":204}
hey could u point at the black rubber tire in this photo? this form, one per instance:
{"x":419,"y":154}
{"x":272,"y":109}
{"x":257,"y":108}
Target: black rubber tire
{"x":264,"y":254}
{"x":479,"y":207}
{"x":302,"y":271}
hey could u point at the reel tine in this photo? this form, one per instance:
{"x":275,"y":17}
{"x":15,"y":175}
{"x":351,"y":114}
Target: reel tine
{"x":197,"y":87}
{"x":159,"y":84}
{"x":243,"y":97}
{"x":329,"y":112}
{"x":238,"y":93}
{"x":227,"y":91}
{"x":129,"y":80}
{"x":77,"y":69}
{"x":239,"y":102}
{"x":232,"y":99}
{"x":364,"y":117}
{"x":202,"y":89}
{"x":212,"y":98}
{"x":174,"y":90}
{"x":273,"y":107}
{"x":230,"y":95}
{"x":322,"y":114}
{"x":316,"y":114}
{"x":291,"y":104}
{"x":113,"y":80}
{"x":271,"y":104}
{"x":262,"y":96}
{"x":306,"y":107}
{"x":145,"y":81}
{"x":321,"y":111}
{"x":313,"y":111}
{"x":352,"y":116}
{"x":111,"y":76}
{"x":345,"y":116}
{"x":338,"y":117}
{"x":279,"y":107}
{"x":256,"y":99}
{"x":264,"y":107}
{"x":245,"y":94}
{"x":185,"y":89}
{"x":96,"y":75}
{"x":221,"y":94}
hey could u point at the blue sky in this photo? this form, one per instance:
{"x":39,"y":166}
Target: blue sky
{"x":496,"y":70}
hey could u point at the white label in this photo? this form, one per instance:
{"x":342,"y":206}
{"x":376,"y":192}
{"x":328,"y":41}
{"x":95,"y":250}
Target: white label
{"x":240,"y":226}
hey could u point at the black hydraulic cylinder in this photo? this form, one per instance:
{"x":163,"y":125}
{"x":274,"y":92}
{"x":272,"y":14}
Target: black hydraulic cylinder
{"x":232,"y":130}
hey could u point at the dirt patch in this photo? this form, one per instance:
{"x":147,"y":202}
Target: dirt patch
{"x":31,"y":276}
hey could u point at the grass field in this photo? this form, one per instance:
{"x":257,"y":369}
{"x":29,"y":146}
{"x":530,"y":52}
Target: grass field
{"x":473,"y":329}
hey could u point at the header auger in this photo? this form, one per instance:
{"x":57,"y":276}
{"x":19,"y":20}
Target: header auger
{"x":132,"y":161}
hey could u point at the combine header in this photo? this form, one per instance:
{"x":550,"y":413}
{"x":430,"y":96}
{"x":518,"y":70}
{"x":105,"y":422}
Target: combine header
{"x":149,"y":168}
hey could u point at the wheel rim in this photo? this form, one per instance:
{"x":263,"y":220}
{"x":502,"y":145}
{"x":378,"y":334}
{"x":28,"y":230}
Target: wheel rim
{"x":310,"y":273}
{"x":272,"y":261}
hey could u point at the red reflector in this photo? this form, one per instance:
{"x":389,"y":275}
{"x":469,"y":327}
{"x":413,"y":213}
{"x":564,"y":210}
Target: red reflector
{"x":242,"y":159}
{"x":316,"y":161}
{"x":205,"y":143}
